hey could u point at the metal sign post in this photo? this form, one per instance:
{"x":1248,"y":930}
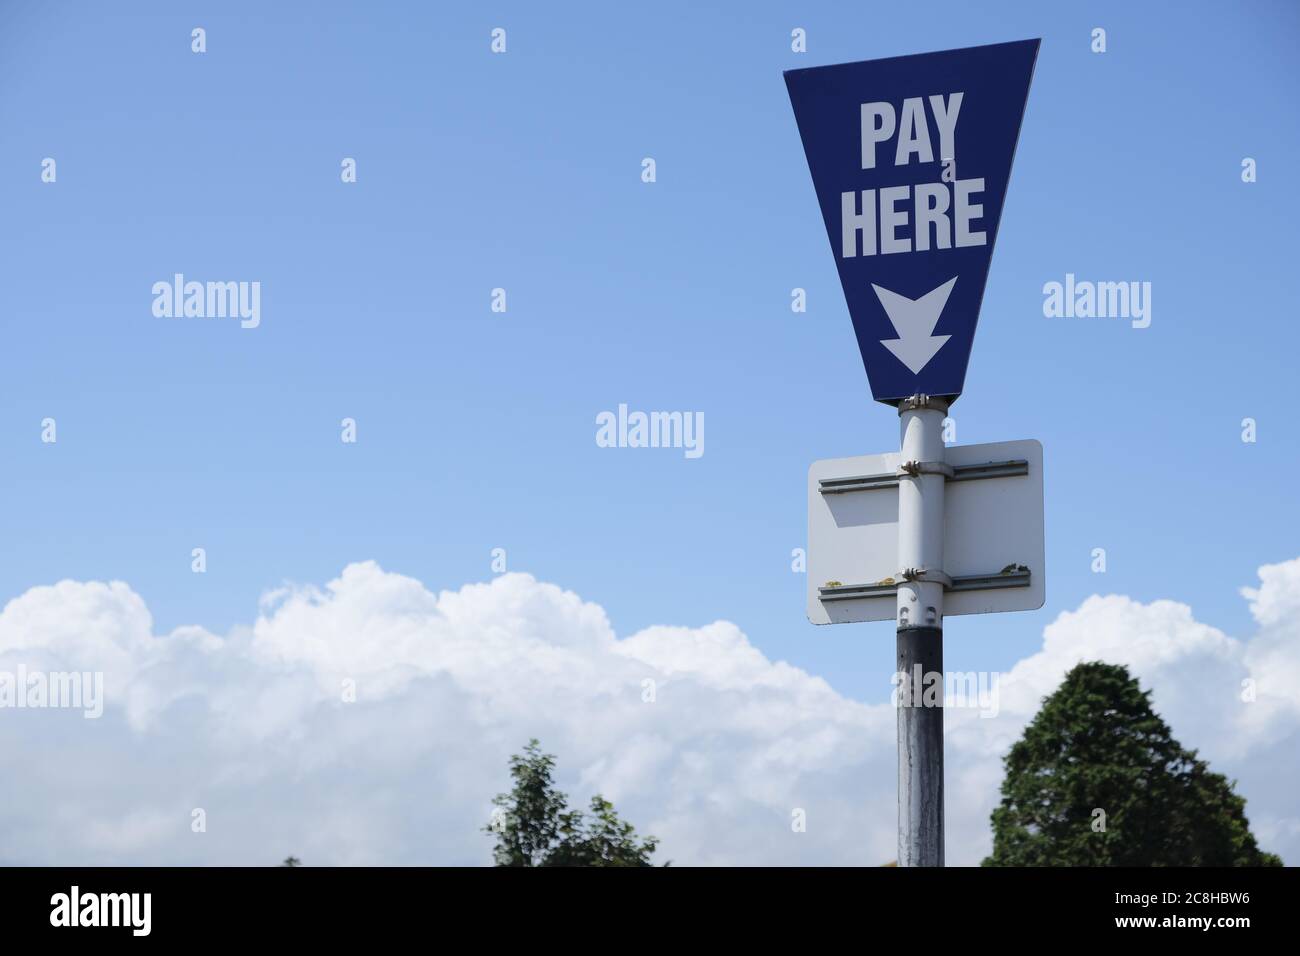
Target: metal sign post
{"x":921,"y":480}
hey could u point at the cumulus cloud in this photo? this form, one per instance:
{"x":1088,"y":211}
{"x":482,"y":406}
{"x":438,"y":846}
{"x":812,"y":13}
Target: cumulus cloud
{"x":694,"y":733}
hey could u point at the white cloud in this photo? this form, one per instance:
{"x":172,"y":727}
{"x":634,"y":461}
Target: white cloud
{"x":252,"y":727}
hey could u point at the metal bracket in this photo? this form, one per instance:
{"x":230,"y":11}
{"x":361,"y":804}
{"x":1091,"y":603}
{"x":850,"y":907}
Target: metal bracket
{"x":1017,"y":576}
{"x":991,"y":469}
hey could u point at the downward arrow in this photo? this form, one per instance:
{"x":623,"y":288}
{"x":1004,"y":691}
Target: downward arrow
{"x":914,"y":321}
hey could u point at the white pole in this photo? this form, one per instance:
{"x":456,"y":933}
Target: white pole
{"x":920,"y":631}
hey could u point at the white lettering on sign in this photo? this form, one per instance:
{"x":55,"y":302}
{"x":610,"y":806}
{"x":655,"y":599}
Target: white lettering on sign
{"x":923,"y":207}
{"x":880,"y":123}
{"x":916,"y":218}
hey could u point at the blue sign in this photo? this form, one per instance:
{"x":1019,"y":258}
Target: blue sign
{"x":910,"y":157}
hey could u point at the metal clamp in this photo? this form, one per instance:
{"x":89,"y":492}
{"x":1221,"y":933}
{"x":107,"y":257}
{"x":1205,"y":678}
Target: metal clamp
{"x":921,"y":574}
{"x":917,"y":402}
{"x":915,"y":469}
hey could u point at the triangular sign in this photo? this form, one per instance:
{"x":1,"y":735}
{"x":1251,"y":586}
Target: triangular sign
{"x":910,"y":158}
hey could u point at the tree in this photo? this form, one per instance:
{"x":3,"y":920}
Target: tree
{"x":534,"y":826}
{"x":600,"y":840}
{"x":291,"y":861}
{"x":1098,"y":780}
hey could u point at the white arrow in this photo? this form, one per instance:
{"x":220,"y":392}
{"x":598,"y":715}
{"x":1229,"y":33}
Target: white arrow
{"x":914,"y":321}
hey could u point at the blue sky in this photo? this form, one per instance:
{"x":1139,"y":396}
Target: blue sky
{"x":522,"y":171}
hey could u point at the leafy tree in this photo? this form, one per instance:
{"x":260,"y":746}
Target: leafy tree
{"x":528,"y":819}
{"x":1096,"y":745}
{"x":534,"y":826}
{"x":291,"y":861}
{"x":600,"y":840}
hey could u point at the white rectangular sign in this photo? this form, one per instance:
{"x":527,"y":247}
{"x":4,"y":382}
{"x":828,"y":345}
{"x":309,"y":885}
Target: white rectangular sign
{"x":993,"y":542}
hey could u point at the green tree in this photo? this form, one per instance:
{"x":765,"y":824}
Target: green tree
{"x":534,"y":826}
{"x":291,"y":861}
{"x":1096,"y":745}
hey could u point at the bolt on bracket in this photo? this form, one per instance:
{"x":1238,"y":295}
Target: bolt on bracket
{"x":921,"y":574}
{"x":917,"y":402}
{"x":915,"y":469}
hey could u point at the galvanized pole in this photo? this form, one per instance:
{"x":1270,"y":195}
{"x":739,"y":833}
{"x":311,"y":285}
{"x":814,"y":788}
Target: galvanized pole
{"x":922,"y":474}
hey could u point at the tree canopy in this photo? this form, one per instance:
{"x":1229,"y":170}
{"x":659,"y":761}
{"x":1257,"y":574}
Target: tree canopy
{"x":534,"y":826}
{"x":1098,"y":780}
